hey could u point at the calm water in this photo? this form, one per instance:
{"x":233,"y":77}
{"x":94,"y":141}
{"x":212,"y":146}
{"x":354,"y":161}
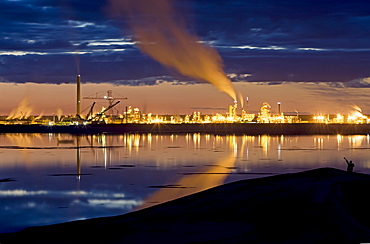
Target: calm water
{"x":53,"y":178}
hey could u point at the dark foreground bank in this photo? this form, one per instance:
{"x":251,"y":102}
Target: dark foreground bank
{"x":318,"y":206}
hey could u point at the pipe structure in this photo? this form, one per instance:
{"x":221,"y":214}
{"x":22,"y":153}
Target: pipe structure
{"x":78,"y":112}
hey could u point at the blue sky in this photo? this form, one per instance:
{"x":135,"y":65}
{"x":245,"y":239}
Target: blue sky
{"x":275,"y":42}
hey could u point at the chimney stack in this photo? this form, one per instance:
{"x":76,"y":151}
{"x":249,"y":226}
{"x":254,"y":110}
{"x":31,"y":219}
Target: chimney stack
{"x":78,"y":96}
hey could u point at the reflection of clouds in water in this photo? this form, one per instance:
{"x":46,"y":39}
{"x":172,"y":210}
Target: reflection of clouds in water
{"x":109,"y":203}
{"x":20,"y":192}
{"x":16,"y":215}
{"x":92,"y":199}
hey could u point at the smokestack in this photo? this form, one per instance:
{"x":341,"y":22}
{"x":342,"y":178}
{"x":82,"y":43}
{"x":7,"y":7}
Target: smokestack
{"x":78,"y":96}
{"x":247,"y":105}
{"x":279,"y":108}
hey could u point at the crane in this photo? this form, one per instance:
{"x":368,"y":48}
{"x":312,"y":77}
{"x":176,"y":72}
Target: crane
{"x":98,"y":117}
{"x":108,"y":96}
{"x":90,"y":113}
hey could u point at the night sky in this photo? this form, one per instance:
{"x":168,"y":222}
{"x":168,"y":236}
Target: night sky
{"x":310,"y":55}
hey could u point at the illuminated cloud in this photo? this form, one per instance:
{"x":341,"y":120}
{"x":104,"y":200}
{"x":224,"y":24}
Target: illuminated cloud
{"x":258,"y":48}
{"x":80,"y":24}
{"x":110,"y":42}
{"x":358,"y":83}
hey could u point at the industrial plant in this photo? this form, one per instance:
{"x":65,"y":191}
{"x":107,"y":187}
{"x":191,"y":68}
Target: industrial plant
{"x":235,"y":120}
{"x":234,"y":114}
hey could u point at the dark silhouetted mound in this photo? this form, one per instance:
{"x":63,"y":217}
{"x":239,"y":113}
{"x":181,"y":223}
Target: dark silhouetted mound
{"x":318,"y":206}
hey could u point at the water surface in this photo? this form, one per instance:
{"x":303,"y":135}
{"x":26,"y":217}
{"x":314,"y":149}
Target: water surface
{"x":53,"y":178}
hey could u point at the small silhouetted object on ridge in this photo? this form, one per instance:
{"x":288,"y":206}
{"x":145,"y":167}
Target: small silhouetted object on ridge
{"x":350,"y":165}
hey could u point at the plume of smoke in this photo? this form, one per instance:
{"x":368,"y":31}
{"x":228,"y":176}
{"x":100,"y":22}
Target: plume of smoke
{"x":59,"y":113}
{"x":40,"y":116}
{"x":357,"y":108}
{"x":23,"y":110}
{"x":241,"y":99}
{"x":166,"y":40}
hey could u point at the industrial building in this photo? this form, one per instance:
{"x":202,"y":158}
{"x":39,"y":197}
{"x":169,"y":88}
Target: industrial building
{"x":131,"y":115}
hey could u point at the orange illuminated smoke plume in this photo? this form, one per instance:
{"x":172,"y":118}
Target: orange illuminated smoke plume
{"x":164,"y":37}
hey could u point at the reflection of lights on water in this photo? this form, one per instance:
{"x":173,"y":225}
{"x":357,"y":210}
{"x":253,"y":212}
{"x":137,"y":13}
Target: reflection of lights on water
{"x":280,"y":145}
{"x":132,"y":141}
{"x":136,"y":141}
{"x":249,"y":150}
{"x":339,"y":141}
{"x":219,"y":138}
{"x":233,"y":144}
{"x":318,"y":143}
{"x":196,"y":140}
{"x":244,"y":147}
{"x":355,"y":141}
{"x":149,"y":140}
{"x":105,"y":154}
{"x":264,"y":143}
{"x":208,"y":138}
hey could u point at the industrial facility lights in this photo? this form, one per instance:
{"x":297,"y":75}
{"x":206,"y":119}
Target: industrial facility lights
{"x":134,"y":115}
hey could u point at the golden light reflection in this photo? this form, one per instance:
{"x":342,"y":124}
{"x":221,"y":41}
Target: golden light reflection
{"x":174,"y":150}
{"x":280,"y":142}
{"x":149,"y":140}
{"x":318,"y":143}
{"x":209,"y":177}
{"x":339,"y":141}
{"x":356,"y":141}
{"x":196,"y":140}
{"x":264,"y":143}
{"x":23,"y":140}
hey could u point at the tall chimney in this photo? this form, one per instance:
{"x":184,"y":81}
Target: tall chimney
{"x":78,"y":96}
{"x":279,"y":108}
{"x":247,"y":105}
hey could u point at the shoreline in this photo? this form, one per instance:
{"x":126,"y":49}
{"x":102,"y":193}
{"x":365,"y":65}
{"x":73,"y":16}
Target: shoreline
{"x":214,"y":128}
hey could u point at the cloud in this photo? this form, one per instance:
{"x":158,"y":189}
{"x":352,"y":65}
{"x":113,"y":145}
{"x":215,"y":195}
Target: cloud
{"x":285,"y":41}
{"x":357,"y":83}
